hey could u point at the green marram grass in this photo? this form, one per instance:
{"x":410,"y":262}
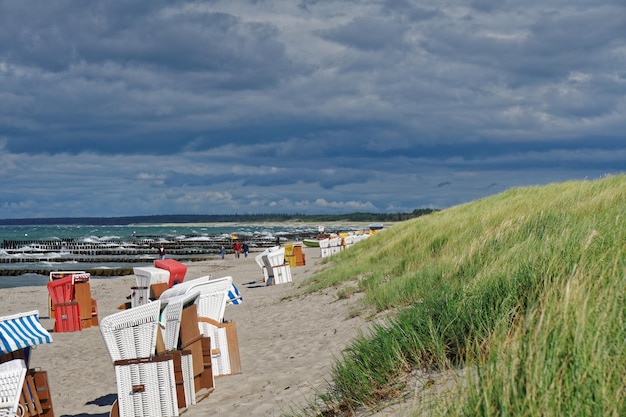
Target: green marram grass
{"x":526,"y":289}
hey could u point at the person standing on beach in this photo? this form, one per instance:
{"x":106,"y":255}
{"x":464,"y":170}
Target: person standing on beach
{"x":246,"y":249}
{"x":222,"y":251}
{"x":237,"y":249}
{"x":161,"y":252}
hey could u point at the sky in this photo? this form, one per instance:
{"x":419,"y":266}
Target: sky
{"x":144,"y":107}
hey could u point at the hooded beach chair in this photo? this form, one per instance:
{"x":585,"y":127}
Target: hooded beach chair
{"x":211,"y":304}
{"x":276,"y":270}
{"x":325,"y":250}
{"x":259,"y":259}
{"x":146,"y":384}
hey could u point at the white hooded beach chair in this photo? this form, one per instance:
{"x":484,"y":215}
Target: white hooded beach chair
{"x":335,"y":245}
{"x":259,"y":260}
{"x":132,"y":333}
{"x":149,"y":275}
{"x":146,"y":384}
{"x":12,"y":375}
{"x":211,"y":304}
{"x":325,"y":250}
{"x":276,"y":270}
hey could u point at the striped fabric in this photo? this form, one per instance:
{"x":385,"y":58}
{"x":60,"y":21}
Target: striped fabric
{"x":22,"y":330}
{"x":234,"y":296}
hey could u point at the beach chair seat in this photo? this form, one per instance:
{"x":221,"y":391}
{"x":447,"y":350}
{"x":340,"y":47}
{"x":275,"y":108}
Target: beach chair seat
{"x":225,"y":358}
{"x":146,"y":387}
{"x":220,"y":359}
{"x":132,"y":333}
{"x":12,"y":375}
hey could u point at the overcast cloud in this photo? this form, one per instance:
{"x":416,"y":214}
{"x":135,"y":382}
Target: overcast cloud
{"x":143,"y":107}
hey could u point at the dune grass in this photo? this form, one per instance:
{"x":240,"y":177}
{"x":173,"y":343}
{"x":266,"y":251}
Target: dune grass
{"x":526,"y":288}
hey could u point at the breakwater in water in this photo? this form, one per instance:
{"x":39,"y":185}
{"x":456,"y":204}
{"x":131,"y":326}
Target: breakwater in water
{"x":28,"y":253}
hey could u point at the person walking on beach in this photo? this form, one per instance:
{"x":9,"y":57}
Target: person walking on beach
{"x":237,"y":249}
{"x":246,"y":249}
{"x":222,"y":251}
{"x":161,"y":252}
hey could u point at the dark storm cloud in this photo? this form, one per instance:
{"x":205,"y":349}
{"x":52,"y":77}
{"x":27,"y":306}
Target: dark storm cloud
{"x":144,"y":107}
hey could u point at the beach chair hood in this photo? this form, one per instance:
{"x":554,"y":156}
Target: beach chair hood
{"x":21,"y":331}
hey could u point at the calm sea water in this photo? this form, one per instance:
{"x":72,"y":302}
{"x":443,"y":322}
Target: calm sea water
{"x":120,"y":236}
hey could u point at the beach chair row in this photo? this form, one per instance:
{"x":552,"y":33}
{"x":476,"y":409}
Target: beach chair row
{"x":168,"y":352}
{"x":334,"y":245}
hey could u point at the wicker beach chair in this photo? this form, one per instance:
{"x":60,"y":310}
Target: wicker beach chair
{"x":211,"y":304}
{"x":335,"y":245}
{"x":325,"y":250}
{"x":149,"y":275}
{"x":12,"y":375}
{"x":146,"y":385}
{"x":259,"y":258}
{"x":276,"y":270}
{"x":132,"y":333}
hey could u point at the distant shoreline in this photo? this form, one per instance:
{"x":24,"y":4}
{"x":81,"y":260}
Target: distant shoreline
{"x":181,"y":219}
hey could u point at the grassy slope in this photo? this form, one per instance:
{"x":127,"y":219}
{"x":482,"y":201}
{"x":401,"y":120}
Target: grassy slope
{"x":526,"y":287}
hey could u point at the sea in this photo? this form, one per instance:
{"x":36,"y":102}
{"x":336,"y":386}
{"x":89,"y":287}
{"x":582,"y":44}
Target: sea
{"x":44,"y":248}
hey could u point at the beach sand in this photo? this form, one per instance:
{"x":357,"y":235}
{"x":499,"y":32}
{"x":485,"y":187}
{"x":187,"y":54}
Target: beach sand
{"x":287,"y":342}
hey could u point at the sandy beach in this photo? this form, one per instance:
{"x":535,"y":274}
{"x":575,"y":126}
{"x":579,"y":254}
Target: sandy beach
{"x":286,"y":341}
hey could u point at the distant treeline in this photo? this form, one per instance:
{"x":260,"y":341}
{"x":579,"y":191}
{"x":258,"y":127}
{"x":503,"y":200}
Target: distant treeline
{"x":220,"y":218}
